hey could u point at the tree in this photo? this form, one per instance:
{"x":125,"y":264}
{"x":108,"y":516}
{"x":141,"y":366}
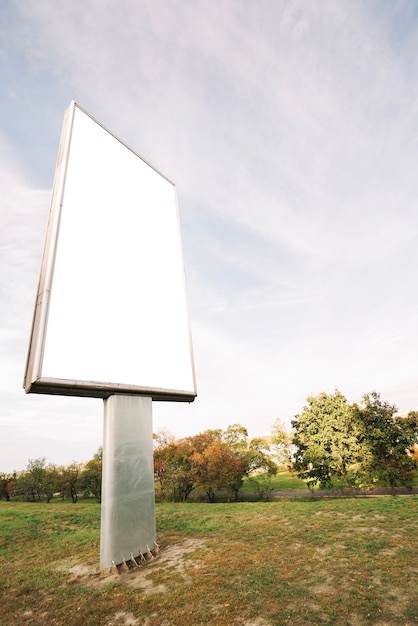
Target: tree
{"x":326,"y":442}
{"x":30,"y":482}
{"x":258,"y":458}
{"x":69,"y":481}
{"x":236,"y":438}
{"x":254,"y":453}
{"x":224,"y":458}
{"x":414,"y":453}
{"x":217,"y":468}
{"x":50,"y":482}
{"x":387,"y":442}
{"x":281,"y":443}
{"x":37,"y":480}
{"x":213,"y":460}
{"x":6,"y":486}
{"x":91,"y":476}
{"x":174,"y":469}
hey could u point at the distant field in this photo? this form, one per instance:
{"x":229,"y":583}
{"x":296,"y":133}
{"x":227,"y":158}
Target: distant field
{"x":282,"y":481}
{"x":296,"y":561}
{"x":285,"y":481}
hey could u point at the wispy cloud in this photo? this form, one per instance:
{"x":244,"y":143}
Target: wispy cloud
{"x":291,"y":131}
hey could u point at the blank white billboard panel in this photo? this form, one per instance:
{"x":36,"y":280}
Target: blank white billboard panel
{"x":111,"y":314}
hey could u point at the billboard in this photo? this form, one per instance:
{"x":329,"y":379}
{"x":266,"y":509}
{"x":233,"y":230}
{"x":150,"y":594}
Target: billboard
{"x":111,"y":311}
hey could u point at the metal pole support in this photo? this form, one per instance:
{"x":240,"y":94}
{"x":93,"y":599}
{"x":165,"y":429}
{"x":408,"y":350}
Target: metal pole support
{"x":128,"y":503}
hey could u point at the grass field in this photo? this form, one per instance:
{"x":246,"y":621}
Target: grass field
{"x":351,"y":561}
{"x":282,"y":481}
{"x":285,"y":481}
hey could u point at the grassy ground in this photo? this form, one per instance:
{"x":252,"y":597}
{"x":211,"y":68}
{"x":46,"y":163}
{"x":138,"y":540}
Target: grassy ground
{"x":285,"y":481}
{"x":310,"y":562}
{"x":282,"y":481}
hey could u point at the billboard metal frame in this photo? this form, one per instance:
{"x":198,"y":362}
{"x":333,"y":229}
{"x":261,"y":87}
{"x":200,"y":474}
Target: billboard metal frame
{"x":35,"y":380}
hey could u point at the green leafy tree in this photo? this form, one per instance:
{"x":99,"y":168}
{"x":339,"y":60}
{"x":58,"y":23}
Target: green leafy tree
{"x":282,"y":444}
{"x":260,"y":466}
{"x":30,"y":482}
{"x":69,"y":481}
{"x":236,"y":438}
{"x":50,"y":482}
{"x":37,"y":481}
{"x":258,"y":457}
{"x":387,"y":442}
{"x":326,"y":442}
{"x":91,"y":476}
{"x":254,"y":453}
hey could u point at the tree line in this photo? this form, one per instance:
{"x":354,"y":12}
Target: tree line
{"x":332,"y":445}
{"x":212,"y":461}
{"x":40,"y":480}
{"x":338,"y":445}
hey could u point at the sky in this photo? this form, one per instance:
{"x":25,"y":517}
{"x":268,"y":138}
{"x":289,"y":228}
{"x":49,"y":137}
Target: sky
{"x":291,"y":131}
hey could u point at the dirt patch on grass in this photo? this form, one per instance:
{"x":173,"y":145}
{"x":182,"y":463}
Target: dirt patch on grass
{"x":325,"y":589}
{"x":258,"y":621}
{"x":123,"y":619}
{"x":370,"y":530}
{"x":172,"y":560}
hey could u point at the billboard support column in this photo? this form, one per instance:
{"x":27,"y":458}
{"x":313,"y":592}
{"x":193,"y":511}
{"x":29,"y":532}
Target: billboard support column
{"x":128,"y":503}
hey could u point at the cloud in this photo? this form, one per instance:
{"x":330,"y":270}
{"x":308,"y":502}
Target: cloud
{"x":37,"y":423}
{"x":291,"y":132}
{"x":23,"y":212}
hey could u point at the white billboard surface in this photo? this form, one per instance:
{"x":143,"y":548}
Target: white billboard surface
{"x":111,"y":313}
